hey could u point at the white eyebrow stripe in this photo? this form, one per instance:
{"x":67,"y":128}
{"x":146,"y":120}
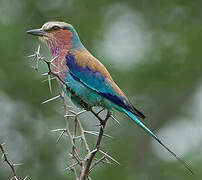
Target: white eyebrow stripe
{"x":50,"y":24}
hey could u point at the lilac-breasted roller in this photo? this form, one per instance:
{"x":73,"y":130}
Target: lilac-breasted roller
{"x":89,"y":82}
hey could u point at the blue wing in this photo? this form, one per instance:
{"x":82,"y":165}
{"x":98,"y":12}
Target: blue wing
{"x":95,"y":80}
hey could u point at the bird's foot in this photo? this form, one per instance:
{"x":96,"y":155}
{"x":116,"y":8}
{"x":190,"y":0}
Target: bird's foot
{"x":102,"y":123}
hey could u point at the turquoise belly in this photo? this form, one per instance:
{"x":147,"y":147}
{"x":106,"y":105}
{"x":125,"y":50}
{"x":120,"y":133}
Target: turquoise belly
{"x":82,"y":92}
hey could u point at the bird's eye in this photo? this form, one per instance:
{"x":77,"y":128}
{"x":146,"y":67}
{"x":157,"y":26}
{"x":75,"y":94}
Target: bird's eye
{"x":55,"y":28}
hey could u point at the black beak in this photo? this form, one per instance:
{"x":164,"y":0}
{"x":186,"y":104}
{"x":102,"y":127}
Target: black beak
{"x":36,"y":32}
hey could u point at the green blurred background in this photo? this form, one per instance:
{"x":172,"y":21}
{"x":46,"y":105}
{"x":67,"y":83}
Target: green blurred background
{"x":153,"y":50}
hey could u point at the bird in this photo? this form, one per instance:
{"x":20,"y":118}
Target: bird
{"x":89,"y":82}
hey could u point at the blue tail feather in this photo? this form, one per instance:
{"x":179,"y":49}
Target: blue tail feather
{"x":139,"y":123}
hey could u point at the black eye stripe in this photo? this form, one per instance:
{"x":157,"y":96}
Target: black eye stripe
{"x":55,"y":27}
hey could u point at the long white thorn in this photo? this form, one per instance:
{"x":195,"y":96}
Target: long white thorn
{"x":97,"y":133}
{"x":77,"y":114}
{"x":54,"y":59}
{"x":101,"y":160}
{"x":109,"y":157}
{"x":71,"y":166}
{"x":94,"y":150}
{"x":60,"y":136}
{"x":51,"y":99}
{"x":50,"y":79}
{"x":2,"y":157}
{"x":81,"y":112}
{"x":44,"y":74}
{"x":115,"y":119}
{"x":32,"y":55}
{"x":25,"y":178}
{"x":14,"y":177}
{"x":89,"y":178}
{"x":58,"y":130}
{"x":69,"y":115}
{"x":91,"y":132}
{"x":38,"y":50}
{"x":49,"y":83}
{"x":89,"y":154}
{"x":18,"y":164}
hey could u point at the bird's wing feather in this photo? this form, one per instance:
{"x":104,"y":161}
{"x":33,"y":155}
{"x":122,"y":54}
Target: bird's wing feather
{"x":89,"y":71}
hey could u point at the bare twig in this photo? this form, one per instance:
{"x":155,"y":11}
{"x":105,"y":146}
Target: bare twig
{"x":90,"y":157}
{"x":75,"y":154}
{"x":10,"y":164}
{"x":83,"y":137}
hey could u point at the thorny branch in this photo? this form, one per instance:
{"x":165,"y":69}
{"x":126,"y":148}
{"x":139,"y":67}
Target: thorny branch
{"x":81,"y":165}
{"x":91,"y":155}
{"x":10,"y":164}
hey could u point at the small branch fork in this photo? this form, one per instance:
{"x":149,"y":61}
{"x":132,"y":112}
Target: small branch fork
{"x":82,"y":164}
{"x":12,"y":166}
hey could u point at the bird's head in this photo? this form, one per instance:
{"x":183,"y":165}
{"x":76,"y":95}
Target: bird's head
{"x":58,"y":36}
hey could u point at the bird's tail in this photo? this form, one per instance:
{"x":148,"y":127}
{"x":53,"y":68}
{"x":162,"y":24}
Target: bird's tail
{"x":139,"y":123}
